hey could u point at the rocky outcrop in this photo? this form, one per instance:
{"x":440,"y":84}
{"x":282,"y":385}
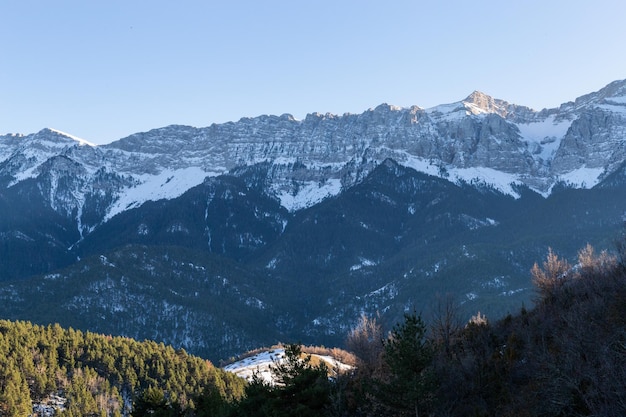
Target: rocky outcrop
{"x":319,"y":156}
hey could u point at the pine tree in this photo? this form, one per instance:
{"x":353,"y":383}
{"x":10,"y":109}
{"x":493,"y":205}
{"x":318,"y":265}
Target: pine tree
{"x":152,"y":402}
{"x":407,"y":389}
{"x":14,"y":396}
{"x":304,"y":388}
{"x":300,"y":389}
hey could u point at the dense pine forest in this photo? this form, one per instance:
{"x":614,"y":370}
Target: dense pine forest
{"x":566,"y":356}
{"x":96,"y":375}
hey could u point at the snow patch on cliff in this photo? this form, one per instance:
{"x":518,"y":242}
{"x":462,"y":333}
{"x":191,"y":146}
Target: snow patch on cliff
{"x":309,"y":194}
{"x":168,"y":184}
{"x":544,"y":136}
{"x":582,"y":177}
{"x":501,"y":181}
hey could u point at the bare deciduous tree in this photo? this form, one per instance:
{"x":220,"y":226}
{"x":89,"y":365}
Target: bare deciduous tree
{"x":365,"y":341}
{"x":592,"y":264}
{"x":553,"y":275}
{"x":445,"y":322}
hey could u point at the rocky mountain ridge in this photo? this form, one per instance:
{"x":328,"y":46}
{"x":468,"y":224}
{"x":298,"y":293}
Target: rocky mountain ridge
{"x":225,"y":238}
{"x":479,"y":138}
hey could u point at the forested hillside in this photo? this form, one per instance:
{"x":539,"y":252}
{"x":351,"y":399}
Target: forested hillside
{"x":224,"y":238}
{"x":99,"y":375}
{"x":564,"y":357}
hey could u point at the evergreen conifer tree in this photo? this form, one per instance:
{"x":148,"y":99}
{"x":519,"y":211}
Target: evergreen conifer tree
{"x":408,"y":386}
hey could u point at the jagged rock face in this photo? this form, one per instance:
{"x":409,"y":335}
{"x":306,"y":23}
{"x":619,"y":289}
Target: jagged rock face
{"x":99,"y":195}
{"x":479,"y":138}
{"x":479,"y":103}
{"x":596,"y":139}
{"x":488,"y":141}
{"x":217,"y":238}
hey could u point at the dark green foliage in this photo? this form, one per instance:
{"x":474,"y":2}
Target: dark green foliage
{"x":565,"y":357}
{"x":176,"y":295}
{"x":408,"y":387}
{"x":152,"y":402}
{"x":408,"y":233}
{"x":301,"y":389}
{"x":95,"y":372}
{"x":211,"y":404}
{"x":15,"y":397}
{"x":221,"y":215}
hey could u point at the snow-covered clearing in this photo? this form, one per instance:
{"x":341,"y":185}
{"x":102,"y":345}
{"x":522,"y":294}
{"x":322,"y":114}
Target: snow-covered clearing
{"x":262,"y":362}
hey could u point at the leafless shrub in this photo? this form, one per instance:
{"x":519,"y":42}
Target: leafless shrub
{"x":591,"y":264}
{"x":365,"y":341}
{"x":341,"y":355}
{"x":549,"y":279}
{"x":477,"y":320}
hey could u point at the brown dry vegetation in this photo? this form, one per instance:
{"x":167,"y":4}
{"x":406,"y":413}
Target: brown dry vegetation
{"x":565,"y":357}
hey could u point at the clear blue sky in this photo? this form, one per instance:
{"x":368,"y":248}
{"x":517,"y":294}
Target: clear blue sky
{"x":102,"y":70}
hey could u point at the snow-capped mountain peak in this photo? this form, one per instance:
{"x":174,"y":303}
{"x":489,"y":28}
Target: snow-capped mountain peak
{"x":479,"y":139}
{"x":478,"y":104}
{"x":481,"y":103}
{"x":58,"y":133}
{"x":614,"y":92}
{"x":398,"y":183}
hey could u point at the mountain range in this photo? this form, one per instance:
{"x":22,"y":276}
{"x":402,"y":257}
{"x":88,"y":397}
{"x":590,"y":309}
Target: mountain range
{"x":232,"y":236}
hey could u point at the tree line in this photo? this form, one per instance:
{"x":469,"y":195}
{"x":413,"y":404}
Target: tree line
{"x":99,"y":375}
{"x":564,"y":357}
